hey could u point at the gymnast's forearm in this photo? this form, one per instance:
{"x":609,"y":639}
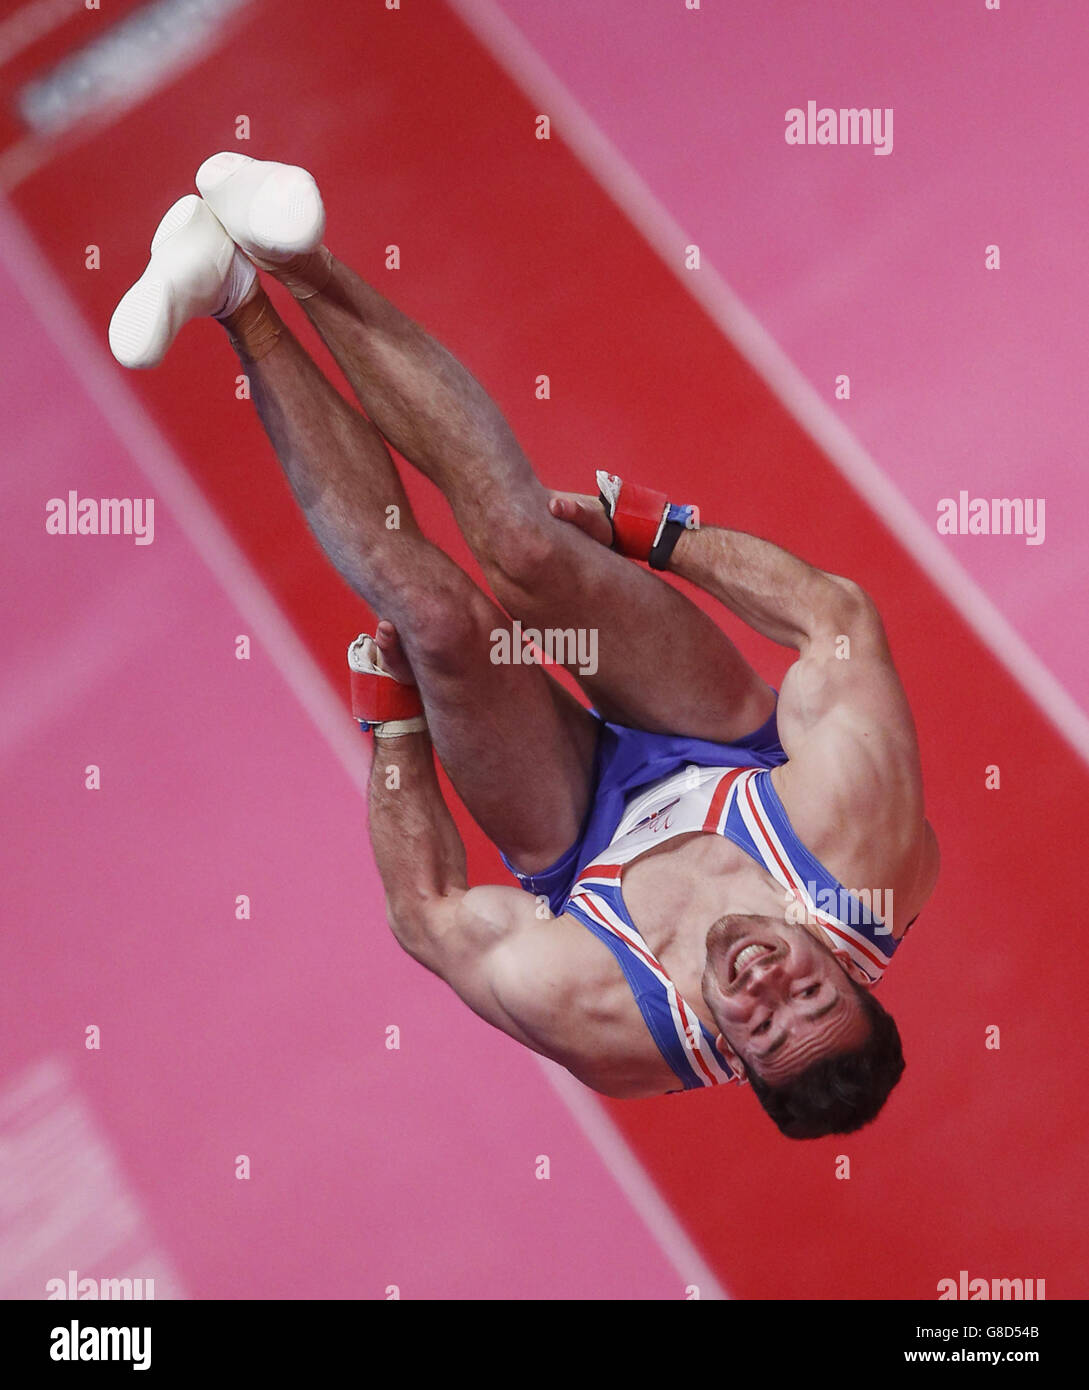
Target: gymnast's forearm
{"x":419,"y":853}
{"x":774,"y":592}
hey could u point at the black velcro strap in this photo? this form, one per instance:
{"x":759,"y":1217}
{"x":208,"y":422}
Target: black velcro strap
{"x":663,"y":547}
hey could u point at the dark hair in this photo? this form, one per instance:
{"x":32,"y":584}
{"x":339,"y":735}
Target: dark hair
{"x":838,"y":1094}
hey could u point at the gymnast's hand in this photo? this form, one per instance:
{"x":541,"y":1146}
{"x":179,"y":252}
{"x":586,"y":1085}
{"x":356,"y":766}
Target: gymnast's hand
{"x":393,"y":656}
{"x":583,"y":511}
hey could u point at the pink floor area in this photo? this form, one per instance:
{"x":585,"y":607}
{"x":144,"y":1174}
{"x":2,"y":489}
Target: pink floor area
{"x":961,"y":378}
{"x":370,"y":1167}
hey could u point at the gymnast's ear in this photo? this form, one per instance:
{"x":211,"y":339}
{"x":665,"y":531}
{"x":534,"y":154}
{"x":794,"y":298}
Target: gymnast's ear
{"x":736,"y":1064}
{"x":854,"y":972}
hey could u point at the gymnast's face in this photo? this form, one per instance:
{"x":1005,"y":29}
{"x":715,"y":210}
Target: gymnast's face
{"x":781,"y":998}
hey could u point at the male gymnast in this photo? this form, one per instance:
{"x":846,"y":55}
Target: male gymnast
{"x":686,"y":844}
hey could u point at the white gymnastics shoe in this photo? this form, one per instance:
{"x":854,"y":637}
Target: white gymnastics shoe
{"x":272,"y":211}
{"x":195,"y":269}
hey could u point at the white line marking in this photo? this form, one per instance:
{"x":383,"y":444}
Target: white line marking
{"x":64,"y":324}
{"x":66,"y":1202}
{"x":632,"y":1179}
{"x":30,"y":23}
{"x":516,"y":55}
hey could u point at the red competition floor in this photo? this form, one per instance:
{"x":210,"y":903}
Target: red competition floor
{"x":515,"y":258}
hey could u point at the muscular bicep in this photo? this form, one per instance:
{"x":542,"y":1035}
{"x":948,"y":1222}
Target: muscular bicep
{"x":469,"y":938}
{"x":854,"y":772}
{"x":844,"y":682}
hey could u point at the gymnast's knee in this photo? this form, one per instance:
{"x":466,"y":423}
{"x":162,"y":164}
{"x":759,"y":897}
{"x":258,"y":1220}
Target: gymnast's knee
{"x":443,"y":625}
{"x":527,"y":556}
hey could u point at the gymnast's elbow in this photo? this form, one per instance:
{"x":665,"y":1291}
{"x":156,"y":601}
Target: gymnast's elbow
{"x":419,"y":922}
{"x":838,"y":606}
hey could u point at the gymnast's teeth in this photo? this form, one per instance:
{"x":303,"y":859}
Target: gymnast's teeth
{"x":748,"y":954}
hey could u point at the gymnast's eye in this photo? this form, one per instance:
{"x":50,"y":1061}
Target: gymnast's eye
{"x":762,"y":1027}
{"x":812,"y":989}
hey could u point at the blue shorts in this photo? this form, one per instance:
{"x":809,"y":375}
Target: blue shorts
{"x":629,"y":758}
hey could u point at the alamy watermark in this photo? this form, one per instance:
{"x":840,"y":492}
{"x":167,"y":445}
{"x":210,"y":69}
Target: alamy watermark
{"x":976,"y":1289}
{"x":992,"y":516}
{"x":90,"y":1288}
{"x":847,"y":905}
{"x":101,"y":516}
{"x":847,"y":125}
{"x":75,"y":1343}
{"x":550,"y":646}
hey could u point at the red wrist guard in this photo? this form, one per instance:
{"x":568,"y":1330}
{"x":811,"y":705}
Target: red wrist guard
{"x":376,"y":698}
{"x":637,"y":519}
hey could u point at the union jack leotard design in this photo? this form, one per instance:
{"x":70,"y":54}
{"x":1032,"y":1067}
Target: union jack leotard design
{"x":741,"y":804}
